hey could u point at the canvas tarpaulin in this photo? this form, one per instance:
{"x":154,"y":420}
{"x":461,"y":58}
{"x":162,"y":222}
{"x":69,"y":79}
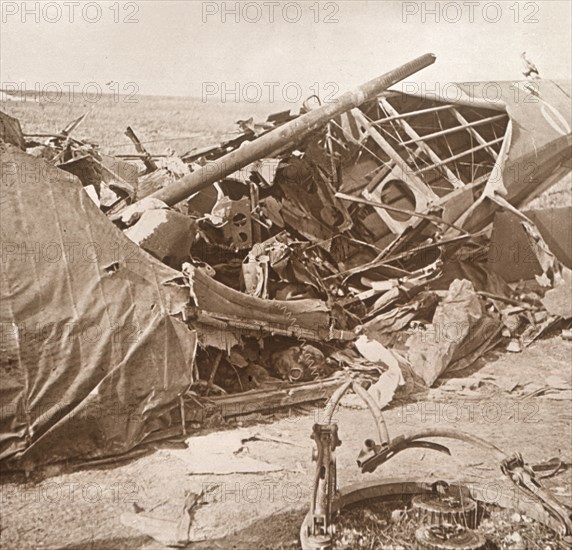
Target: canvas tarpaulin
{"x":93,"y":351}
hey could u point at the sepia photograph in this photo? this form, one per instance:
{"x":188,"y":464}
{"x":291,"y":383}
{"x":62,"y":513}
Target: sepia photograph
{"x":285,"y":275}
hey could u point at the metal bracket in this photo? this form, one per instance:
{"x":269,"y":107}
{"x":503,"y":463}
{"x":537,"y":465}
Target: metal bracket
{"x":318,"y":528}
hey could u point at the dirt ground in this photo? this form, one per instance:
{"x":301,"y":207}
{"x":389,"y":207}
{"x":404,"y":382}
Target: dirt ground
{"x":84,"y":509}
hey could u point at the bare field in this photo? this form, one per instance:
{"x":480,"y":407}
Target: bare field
{"x":179,"y":123}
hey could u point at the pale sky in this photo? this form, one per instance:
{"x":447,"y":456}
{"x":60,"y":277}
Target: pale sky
{"x":175,"y":47}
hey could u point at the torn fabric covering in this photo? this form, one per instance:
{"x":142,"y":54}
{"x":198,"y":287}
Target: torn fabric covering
{"x":539,"y":141}
{"x":92,"y":354}
{"x":555,"y":226}
{"x":460,"y":332}
{"x":536,"y":149}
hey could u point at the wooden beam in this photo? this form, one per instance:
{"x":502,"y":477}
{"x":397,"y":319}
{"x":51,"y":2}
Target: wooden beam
{"x":375,"y":204}
{"x":387,"y":170}
{"x":455,"y":182}
{"x":464,"y":153}
{"x":412,"y":179}
{"x":464,"y":126}
{"x":230,"y":323}
{"x":422,"y":192}
{"x":269,"y":401}
{"x":399,"y":116}
{"x":476,"y":134}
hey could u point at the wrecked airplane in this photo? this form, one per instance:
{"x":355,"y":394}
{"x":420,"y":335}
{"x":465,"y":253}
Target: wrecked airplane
{"x":246,"y":271}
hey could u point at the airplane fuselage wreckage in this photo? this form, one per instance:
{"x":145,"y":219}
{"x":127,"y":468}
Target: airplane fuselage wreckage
{"x":140,"y":299}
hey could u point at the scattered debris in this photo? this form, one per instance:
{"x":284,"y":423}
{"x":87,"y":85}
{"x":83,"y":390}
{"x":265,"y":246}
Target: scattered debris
{"x":558,"y":300}
{"x":174,"y":533}
{"x":221,"y":453}
{"x":262,"y":263}
{"x":460,"y":330}
{"x":450,"y":513}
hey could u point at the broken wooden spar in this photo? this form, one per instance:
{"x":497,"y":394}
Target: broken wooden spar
{"x":281,"y":136}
